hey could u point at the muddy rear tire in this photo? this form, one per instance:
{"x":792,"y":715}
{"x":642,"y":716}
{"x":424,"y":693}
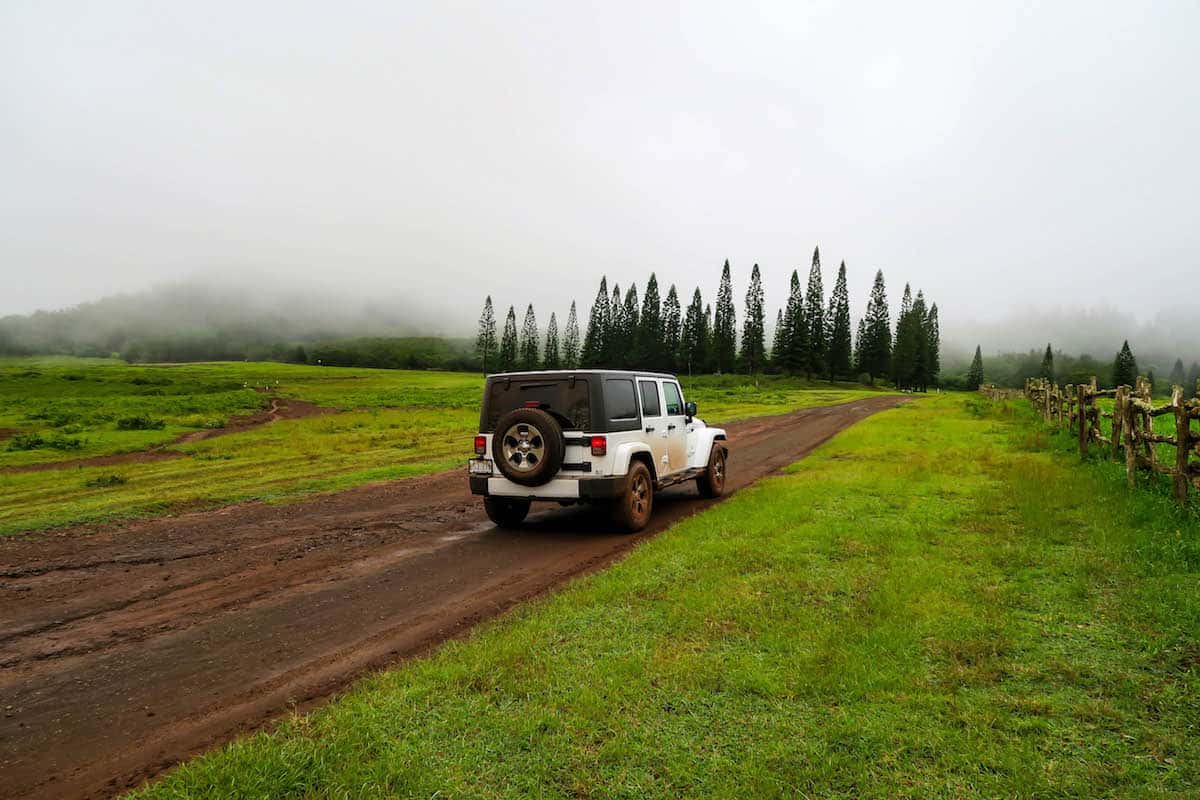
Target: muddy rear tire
{"x":712,"y":482}
{"x":506,"y":512}
{"x":633,"y":508}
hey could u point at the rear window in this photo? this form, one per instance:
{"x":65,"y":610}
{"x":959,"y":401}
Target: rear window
{"x":619,"y":399}
{"x":567,"y":400}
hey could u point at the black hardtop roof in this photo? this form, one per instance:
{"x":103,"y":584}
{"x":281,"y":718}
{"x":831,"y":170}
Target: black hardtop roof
{"x":566,"y":373}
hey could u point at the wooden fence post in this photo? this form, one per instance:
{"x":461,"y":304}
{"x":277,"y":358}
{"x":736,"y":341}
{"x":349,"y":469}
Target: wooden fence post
{"x":1146,"y":423}
{"x":1119,"y":416}
{"x":1183,"y":430}
{"x":1083,"y":421}
{"x":1127,"y":423}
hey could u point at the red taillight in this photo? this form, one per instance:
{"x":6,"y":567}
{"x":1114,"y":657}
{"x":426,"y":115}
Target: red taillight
{"x":599,"y":446}
{"x":533,"y":403}
{"x":480,"y":445}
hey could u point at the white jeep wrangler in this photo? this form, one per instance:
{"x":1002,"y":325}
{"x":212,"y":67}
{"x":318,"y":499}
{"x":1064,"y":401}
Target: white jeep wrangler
{"x":574,"y":436}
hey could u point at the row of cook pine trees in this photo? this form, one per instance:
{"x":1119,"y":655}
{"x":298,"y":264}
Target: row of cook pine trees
{"x":810,"y":337}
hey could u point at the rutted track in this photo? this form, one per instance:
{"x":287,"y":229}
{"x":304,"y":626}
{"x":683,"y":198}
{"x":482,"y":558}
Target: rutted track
{"x":124,"y":650}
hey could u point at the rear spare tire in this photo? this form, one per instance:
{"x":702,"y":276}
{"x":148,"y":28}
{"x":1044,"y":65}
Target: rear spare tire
{"x":527,"y":446}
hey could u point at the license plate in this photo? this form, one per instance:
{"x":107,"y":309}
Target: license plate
{"x":480,"y":466}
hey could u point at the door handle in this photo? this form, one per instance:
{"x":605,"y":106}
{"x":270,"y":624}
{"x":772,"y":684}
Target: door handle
{"x":670,"y":427}
{"x":650,"y":429}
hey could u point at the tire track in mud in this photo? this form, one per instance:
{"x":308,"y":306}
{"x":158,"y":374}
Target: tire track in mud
{"x":125,"y":649}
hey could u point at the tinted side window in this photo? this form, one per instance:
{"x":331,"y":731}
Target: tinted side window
{"x":674,"y":401}
{"x":650,"y":404}
{"x":619,"y":399}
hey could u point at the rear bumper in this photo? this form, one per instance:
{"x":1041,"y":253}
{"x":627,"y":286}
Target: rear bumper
{"x":557,"y":489}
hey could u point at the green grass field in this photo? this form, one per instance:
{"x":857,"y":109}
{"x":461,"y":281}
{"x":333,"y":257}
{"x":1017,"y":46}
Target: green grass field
{"x":936,"y":604}
{"x":391,"y":424}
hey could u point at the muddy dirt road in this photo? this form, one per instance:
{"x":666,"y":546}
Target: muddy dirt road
{"x":124,"y":650}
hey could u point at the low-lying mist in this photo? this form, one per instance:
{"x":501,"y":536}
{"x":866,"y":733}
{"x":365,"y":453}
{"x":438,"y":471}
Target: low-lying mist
{"x":209,"y":317}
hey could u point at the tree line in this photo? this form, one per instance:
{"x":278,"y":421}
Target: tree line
{"x":811,"y":337}
{"x":1012,"y":369}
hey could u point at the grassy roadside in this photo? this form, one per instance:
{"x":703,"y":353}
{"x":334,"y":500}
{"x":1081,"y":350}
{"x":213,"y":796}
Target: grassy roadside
{"x":930,"y":606}
{"x":390,"y":424}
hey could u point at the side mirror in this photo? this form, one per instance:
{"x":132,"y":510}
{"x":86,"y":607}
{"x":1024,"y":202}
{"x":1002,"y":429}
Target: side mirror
{"x":689,"y":409}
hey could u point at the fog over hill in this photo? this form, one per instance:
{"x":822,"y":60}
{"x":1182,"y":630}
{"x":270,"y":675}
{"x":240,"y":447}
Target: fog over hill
{"x":1168,"y":334}
{"x":235,"y":317}
{"x":230,"y":316}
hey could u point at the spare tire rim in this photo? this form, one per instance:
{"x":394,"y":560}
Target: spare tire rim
{"x":523,"y":447}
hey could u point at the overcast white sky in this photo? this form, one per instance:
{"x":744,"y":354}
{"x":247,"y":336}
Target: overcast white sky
{"x":993,"y":155}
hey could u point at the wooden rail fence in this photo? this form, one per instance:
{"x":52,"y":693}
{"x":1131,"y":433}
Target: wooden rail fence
{"x":1133,"y":437}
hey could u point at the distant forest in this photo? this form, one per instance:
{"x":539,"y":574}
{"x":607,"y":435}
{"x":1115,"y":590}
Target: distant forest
{"x":644,"y":326}
{"x":812,"y":335}
{"x":1122,"y":367}
{"x":809,"y":338}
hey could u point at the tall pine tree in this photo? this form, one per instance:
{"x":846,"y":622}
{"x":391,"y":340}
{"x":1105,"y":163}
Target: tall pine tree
{"x":814,"y":313}
{"x":507,"y":359}
{"x":904,"y":355}
{"x":485,"y":340}
{"x":595,"y":340}
{"x":550,"y":354}
{"x":860,"y":339}
{"x":975,"y":373}
{"x":840,"y":346}
{"x":706,"y":337}
{"x":571,"y":340}
{"x":1125,"y":369}
{"x":1193,"y":379}
{"x":672,"y":323}
{"x":1047,"y":369}
{"x":630,"y":316}
{"x":754,"y":328}
{"x":615,"y":353}
{"x":529,"y":340}
{"x":691,"y":336}
{"x":933,"y":344}
{"x":795,"y":359}
{"x":778,"y":343}
{"x":724,"y":331}
{"x":921,"y":365}
{"x":651,"y":346}
{"x":876,"y":350}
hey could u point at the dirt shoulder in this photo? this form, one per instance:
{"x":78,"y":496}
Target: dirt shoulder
{"x":124,"y":650}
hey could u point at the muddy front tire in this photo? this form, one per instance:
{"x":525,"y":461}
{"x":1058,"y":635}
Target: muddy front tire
{"x":712,"y":482}
{"x":633,"y":508}
{"x":506,"y":512}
